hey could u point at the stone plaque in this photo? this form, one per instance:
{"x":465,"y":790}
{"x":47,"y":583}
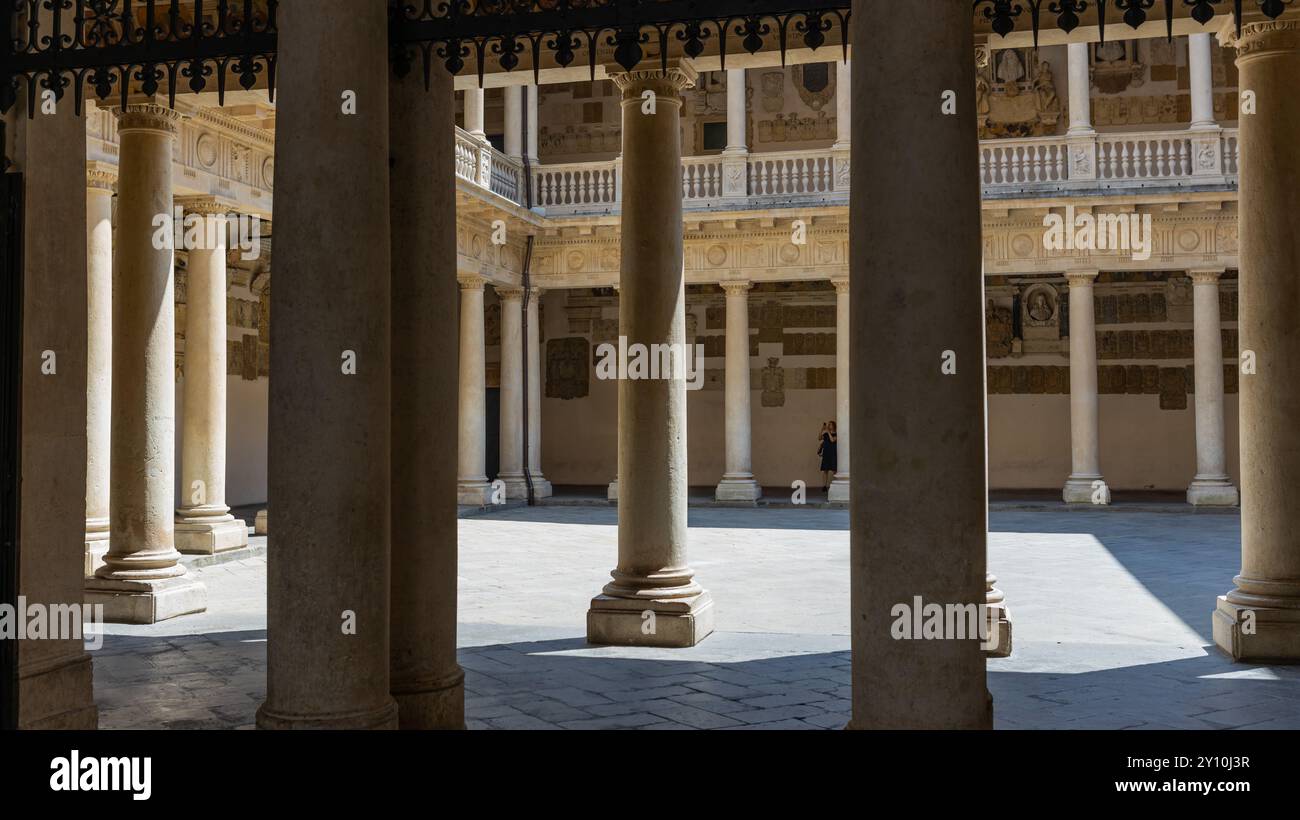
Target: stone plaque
{"x":567,"y":373}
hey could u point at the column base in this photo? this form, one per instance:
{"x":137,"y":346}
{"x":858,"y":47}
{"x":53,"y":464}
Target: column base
{"x":385,"y":717}
{"x":259,"y":524}
{"x":1079,"y":490}
{"x":146,"y":602}
{"x":839,"y":490}
{"x":516,"y":487}
{"x":476,"y":493}
{"x":542,"y":487}
{"x":999,"y":645}
{"x":611,"y":492}
{"x":673,"y":622}
{"x":738,"y":489}
{"x":432,"y":704}
{"x":58,"y":696}
{"x":1212,"y":492}
{"x":96,"y":548}
{"x":1257,"y":634}
{"x":196,"y":538}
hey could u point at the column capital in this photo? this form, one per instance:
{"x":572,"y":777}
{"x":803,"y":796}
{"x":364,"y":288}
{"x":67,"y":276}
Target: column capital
{"x":471,"y":282}
{"x":841,"y":284}
{"x":1081,"y":277}
{"x":148,"y":117}
{"x":101,"y":177}
{"x":734,"y":288}
{"x":681,"y":75}
{"x":535,"y":293}
{"x":1206,"y":276}
{"x":509,"y":294}
{"x":1267,"y":37}
{"x":203,"y":205}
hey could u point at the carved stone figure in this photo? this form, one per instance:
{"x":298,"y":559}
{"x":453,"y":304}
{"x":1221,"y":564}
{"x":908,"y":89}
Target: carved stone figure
{"x":773,"y":384}
{"x":998,"y":329}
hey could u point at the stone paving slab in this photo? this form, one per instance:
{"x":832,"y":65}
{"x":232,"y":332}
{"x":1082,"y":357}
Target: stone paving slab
{"x":1111,"y":614}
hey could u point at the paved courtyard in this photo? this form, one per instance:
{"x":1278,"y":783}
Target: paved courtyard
{"x":1111,"y":611}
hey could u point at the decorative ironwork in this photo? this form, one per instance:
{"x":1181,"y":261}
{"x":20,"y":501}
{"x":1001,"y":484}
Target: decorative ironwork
{"x":127,"y":46}
{"x":110,"y":47}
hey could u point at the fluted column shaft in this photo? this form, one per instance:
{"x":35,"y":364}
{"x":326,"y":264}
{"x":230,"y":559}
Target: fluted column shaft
{"x":738,"y":482}
{"x":471,"y":483}
{"x":141,"y":580}
{"x":1082,"y":486}
{"x":203,"y":522}
{"x":99,"y":362}
{"x":1260,"y":618}
{"x":652,"y":575}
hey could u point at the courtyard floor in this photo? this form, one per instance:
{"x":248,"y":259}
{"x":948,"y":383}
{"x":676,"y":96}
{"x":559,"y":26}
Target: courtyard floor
{"x":1111,"y":613}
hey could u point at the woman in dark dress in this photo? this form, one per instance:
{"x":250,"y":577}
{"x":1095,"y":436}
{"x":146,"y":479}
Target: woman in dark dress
{"x":826,"y":449}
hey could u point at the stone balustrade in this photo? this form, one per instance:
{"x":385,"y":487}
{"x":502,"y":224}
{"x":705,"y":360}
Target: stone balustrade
{"x":1009,"y":168}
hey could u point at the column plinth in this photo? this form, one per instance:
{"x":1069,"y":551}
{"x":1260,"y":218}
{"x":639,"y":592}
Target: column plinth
{"x":738,"y":484}
{"x":1085,"y":484}
{"x":841,"y":483}
{"x":472,"y":486}
{"x":141,"y":580}
{"x":204,"y":524}
{"x":1212,"y":486}
{"x":653,"y":599}
{"x":100,"y":184}
{"x":1259,"y":620}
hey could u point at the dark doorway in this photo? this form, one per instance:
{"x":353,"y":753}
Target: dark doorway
{"x":492,"y":450}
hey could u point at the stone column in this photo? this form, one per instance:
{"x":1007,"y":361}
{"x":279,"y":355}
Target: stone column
{"x":541,"y":487}
{"x":1260,"y":619}
{"x":328,"y":585}
{"x":512,"y":393}
{"x":736,"y":139}
{"x":427,"y":682}
{"x":841,"y":486}
{"x":1201,"y":68}
{"x":1085,"y":484}
{"x":54,"y":675}
{"x":738,"y":482}
{"x":530,"y":143}
{"x":100,"y":182}
{"x":1081,"y":137}
{"x":471,"y":484}
{"x":513,"y":138}
{"x":843,"y":105}
{"x":203,"y":522}
{"x":141,"y":580}
{"x":1211,"y":486}
{"x":918,"y":519}
{"x":653,"y":599}
{"x":735,"y":162}
{"x":1080,"y":91}
{"x":474,"y":113}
